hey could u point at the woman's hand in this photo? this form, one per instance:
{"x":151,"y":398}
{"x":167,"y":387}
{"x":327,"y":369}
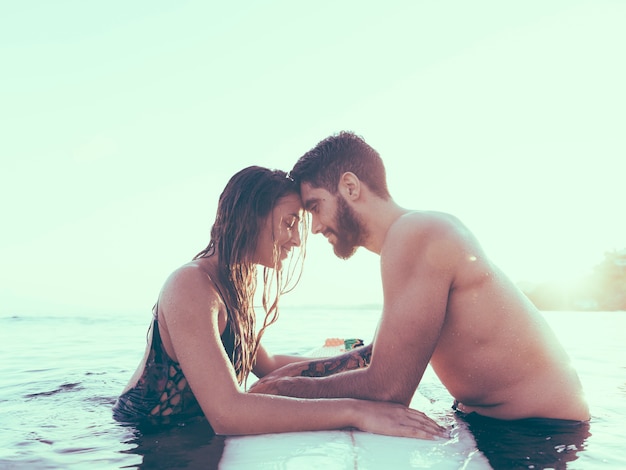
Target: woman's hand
{"x":393,"y":419}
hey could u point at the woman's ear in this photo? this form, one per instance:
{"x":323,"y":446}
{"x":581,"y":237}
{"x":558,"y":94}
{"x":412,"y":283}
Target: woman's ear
{"x":350,"y":186}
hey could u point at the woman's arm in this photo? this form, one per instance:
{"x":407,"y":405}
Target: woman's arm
{"x":267,"y":363}
{"x":192,"y":311}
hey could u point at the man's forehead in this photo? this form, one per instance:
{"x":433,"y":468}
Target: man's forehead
{"x":311,"y":195}
{"x":306,"y":189}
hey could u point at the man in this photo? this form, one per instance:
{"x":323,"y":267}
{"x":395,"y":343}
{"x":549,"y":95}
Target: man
{"x":444,"y":302}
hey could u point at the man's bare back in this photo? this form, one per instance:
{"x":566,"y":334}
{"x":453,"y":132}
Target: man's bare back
{"x":495,"y":353}
{"x":445,"y":302}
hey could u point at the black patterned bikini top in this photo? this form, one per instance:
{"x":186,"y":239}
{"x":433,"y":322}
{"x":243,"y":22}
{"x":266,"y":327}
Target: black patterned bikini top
{"x":162,"y":392}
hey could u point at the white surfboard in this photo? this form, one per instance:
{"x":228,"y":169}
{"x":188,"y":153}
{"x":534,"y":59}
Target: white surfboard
{"x":356,"y":450}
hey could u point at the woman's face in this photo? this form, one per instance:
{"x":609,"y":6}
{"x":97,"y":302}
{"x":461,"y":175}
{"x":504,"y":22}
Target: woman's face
{"x":280,"y":232}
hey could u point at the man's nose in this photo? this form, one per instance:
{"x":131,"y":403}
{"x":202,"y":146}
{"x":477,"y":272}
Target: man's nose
{"x":316,"y":226}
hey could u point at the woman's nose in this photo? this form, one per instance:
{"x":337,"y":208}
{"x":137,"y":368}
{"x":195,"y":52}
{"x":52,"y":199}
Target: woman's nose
{"x":295,"y":237}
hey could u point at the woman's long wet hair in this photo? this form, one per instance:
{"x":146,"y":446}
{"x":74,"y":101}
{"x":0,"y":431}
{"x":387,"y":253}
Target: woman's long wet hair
{"x":242,"y":211}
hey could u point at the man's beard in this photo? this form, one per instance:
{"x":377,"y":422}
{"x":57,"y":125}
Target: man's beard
{"x":350,"y":233}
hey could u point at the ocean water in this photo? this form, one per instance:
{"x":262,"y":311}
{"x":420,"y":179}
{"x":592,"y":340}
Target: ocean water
{"x":60,"y":376}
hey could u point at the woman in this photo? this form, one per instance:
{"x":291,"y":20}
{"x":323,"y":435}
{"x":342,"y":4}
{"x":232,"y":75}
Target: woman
{"x":203,"y":342}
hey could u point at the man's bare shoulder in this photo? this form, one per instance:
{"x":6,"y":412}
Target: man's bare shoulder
{"x":416,"y":228}
{"x":431,"y":241}
{"x":426,"y":221}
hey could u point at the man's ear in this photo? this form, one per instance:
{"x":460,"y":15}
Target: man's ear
{"x":350,"y":186}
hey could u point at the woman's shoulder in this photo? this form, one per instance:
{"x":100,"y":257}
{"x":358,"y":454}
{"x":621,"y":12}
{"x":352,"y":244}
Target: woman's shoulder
{"x":198,"y":270}
{"x":192,"y":280}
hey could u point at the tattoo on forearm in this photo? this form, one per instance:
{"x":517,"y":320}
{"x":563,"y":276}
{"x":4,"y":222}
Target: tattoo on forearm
{"x":355,"y":359}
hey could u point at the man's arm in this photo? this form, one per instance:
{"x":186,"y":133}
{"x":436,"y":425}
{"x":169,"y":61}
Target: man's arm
{"x":267,"y":363}
{"x":355,"y":359}
{"x":416,"y":281}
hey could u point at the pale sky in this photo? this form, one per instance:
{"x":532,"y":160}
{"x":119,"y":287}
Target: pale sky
{"x":122,"y":122}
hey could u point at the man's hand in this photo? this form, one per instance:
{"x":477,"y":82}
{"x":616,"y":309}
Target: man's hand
{"x":297,"y":379}
{"x":275,"y":385}
{"x":280,"y":382}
